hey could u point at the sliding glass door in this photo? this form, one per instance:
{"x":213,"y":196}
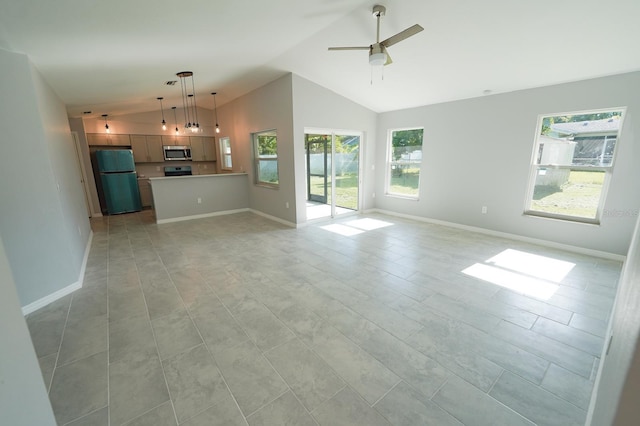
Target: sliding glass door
{"x":333,"y":173}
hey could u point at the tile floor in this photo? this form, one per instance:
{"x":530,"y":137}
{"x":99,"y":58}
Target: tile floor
{"x":367,"y":320}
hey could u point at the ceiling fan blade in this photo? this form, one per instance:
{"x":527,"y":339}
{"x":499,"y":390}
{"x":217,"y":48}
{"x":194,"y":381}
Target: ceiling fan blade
{"x":351,"y":48}
{"x":413,"y":30}
{"x":389,"y":60}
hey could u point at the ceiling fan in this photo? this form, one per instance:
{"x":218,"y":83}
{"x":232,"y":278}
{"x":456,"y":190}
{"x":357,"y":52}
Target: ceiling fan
{"x":378,"y":54}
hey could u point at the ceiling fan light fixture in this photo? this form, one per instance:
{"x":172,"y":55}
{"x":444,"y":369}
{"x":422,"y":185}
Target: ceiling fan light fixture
{"x":377,"y":59}
{"x":378,"y":55}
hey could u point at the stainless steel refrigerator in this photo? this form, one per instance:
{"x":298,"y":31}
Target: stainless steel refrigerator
{"x":119,"y":180}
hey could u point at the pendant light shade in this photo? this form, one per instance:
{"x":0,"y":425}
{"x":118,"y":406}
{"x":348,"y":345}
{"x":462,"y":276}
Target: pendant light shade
{"x":189,"y":105}
{"x":164,"y":123}
{"x":175,"y":119}
{"x":215,"y":111}
{"x":106,"y":124}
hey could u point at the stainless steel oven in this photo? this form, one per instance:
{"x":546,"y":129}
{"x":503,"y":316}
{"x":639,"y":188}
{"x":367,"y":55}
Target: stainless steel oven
{"x":177,"y":171}
{"x":177,"y":153}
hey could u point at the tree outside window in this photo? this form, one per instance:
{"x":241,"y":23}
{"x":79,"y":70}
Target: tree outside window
{"x":266,"y":158}
{"x":404,"y":162}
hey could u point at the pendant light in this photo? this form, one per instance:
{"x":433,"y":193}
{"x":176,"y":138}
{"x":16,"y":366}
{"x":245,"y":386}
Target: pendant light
{"x":106,"y":125}
{"x":189,"y":102}
{"x":175,"y":120}
{"x":164,"y":123}
{"x":215,"y":111}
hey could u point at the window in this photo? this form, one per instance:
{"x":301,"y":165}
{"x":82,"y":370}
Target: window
{"x":572,"y":163}
{"x":404,"y":161}
{"x":225,"y":154}
{"x":266,"y":158}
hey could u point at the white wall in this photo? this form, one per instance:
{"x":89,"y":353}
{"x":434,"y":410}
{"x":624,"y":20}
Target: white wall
{"x":23,"y":396}
{"x":43,"y":218}
{"x":615,"y":396}
{"x":317,"y":107}
{"x":477,"y":153}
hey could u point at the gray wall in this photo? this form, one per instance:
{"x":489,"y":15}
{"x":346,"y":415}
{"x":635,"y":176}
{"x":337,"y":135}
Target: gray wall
{"x":266,"y":108}
{"x":477,"y":152}
{"x":177,"y":197}
{"x":618,"y":382}
{"x":317,"y":107}
{"x":77,"y":125}
{"x":43,"y":218}
{"x":23,"y":396}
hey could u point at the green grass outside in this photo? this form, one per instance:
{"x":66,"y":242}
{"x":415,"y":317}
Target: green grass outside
{"x":578,"y":197}
{"x":346,"y":190}
{"x":405,"y":182}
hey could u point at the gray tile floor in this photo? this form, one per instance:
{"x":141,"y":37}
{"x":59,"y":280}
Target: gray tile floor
{"x":367,"y":320}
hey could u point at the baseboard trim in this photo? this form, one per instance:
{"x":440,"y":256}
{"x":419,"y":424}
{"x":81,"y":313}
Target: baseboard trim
{"x":40,"y":303}
{"x":275,"y":219}
{"x":546,"y":243}
{"x":200,"y":216}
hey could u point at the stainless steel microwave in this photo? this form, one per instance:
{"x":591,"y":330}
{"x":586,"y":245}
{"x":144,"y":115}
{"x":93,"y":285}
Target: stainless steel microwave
{"x":177,"y":153}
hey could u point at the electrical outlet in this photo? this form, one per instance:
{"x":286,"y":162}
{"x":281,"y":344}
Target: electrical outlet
{"x":484,"y":209}
{"x":286,"y":204}
{"x":157,"y":168}
{"x":199,"y":200}
{"x":373,"y":195}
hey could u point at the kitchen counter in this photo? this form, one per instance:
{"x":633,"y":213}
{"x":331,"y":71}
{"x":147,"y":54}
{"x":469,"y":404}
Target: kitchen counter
{"x":177,"y":198}
{"x":196,"y":176}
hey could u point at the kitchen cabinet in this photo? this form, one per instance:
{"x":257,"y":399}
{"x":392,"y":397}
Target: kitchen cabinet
{"x":120,"y":140}
{"x":102,"y":139}
{"x":145,"y":193}
{"x":175,"y":140}
{"x":203,"y":148}
{"x":97,"y":139}
{"x":147,"y":149}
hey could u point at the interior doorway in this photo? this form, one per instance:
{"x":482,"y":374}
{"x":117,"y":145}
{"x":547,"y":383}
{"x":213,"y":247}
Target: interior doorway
{"x":83,"y":173}
{"x":333,"y":173}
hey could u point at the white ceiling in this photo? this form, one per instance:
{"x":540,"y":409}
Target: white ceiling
{"x":114,"y":56}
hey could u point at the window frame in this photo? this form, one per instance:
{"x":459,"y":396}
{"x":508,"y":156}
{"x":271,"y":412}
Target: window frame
{"x":608,"y":170}
{"x":224,"y":155}
{"x":389,"y":160}
{"x":258,"y":159}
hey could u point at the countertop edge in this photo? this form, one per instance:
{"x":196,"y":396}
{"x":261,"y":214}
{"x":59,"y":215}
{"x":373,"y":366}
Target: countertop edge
{"x":195,"y":176}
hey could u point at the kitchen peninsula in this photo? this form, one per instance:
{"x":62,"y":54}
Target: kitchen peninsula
{"x":180,"y":198}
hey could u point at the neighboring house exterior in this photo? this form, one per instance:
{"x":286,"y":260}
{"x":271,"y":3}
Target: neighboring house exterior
{"x":595,"y":140}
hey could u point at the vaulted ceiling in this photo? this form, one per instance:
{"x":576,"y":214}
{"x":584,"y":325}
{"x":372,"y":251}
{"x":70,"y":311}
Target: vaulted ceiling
{"x":115,"y":56}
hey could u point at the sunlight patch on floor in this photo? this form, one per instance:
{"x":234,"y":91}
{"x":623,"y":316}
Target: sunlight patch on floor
{"x":529,"y":274}
{"x":368,"y":224}
{"x":546,"y":268}
{"x":346,"y":231}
